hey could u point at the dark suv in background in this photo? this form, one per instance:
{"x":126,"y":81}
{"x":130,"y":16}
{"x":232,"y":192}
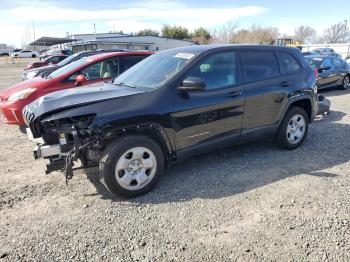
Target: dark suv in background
{"x":332,"y":71}
{"x":174,"y":105}
{"x":46,"y":70}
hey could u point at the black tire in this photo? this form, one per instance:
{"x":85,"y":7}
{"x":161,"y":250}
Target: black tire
{"x":282,"y":138}
{"x":345,"y":83}
{"x":115,"y":151}
{"x":33,"y":56}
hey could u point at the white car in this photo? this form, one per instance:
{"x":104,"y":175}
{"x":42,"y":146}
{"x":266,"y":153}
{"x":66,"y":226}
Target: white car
{"x":25,"y":54}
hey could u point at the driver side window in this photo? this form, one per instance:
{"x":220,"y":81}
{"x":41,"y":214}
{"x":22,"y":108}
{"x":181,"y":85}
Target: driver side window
{"x":326,"y":63}
{"x":216,"y":70}
{"x":100,"y":70}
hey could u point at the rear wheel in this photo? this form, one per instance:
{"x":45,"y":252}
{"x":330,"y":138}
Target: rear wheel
{"x":131,"y":166}
{"x":33,"y":56}
{"x":346,"y":83}
{"x":293,"y":129}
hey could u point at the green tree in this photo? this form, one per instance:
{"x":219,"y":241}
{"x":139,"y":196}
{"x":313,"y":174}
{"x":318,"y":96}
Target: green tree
{"x":201,"y":36}
{"x":148,"y":32}
{"x":177,"y":32}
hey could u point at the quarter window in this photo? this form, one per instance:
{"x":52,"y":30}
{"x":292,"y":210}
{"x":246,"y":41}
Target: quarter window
{"x":288,"y":63}
{"x":216,"y":70}
{"x":259,"y":65}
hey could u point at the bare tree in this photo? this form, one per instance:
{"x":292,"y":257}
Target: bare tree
{"x":225,"y":33}
{"x":304,"y":34}
{"x":337,"y":33}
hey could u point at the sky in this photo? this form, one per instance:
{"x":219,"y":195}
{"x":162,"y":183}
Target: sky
{"x":57,"y":17}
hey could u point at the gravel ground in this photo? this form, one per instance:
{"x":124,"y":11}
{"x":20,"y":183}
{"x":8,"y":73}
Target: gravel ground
{"x":249,"y":203}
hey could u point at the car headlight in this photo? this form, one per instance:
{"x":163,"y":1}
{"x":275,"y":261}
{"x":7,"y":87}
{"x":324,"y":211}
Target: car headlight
{"x":23,"y":94}
{"x":31,"y":74}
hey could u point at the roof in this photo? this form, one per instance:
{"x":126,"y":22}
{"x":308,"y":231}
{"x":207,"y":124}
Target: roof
{"x":102,"y":56}
{"x":204,"y":48}
{"x":50,"y":41}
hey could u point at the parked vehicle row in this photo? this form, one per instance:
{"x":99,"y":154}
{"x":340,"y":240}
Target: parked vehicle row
{"x":174,"y":105}
{"x":88,"y":70}
{"x":48,"y":53}
{"x":51,"y":60}
{"x":46,"y":70}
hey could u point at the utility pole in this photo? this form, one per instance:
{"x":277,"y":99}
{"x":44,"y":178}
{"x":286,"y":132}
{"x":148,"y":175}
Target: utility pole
{"x":95,"y":30}
{"x":33,"y":33}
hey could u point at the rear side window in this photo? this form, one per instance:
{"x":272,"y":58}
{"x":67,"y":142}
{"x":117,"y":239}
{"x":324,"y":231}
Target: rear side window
{"x":128,"y":61}
{"x":259,"y":65}
{"x":288,"y":63}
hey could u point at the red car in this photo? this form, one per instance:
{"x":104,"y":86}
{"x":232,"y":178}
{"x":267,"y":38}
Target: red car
{"x":51,"y":60}
{"x":87,"y":70}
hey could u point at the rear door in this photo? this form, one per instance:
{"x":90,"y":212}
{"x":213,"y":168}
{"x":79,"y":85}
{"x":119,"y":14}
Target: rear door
{"x":216,"y":112}
{"x":266,"y":89}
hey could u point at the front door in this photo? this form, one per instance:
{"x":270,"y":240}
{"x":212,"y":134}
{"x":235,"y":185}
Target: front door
{"x":328,"y":76}
{"x":216,"y":112}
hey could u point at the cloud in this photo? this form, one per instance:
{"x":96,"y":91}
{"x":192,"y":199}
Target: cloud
{"x":54,"y":20}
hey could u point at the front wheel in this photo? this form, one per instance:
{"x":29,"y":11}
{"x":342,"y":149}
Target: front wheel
{"x":131,"y":165}
{"x":293,"y":129}
{"x":346,"y":83}
{"x":33,"y":56}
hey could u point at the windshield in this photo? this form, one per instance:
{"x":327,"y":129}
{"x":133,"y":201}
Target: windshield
{"x":314,"y":62}
{"x":153,"y":71}
{"x":65,"y":69}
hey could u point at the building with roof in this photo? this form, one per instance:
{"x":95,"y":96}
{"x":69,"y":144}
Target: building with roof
{"x":140,"y":42}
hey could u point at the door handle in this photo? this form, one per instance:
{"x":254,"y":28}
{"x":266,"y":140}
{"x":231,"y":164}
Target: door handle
{"x":235,"y":94}
{"x":284,"y":84}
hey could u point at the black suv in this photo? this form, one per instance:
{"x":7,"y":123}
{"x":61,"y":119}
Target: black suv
{"x":174,"y":105}
{"x":46,"y":70}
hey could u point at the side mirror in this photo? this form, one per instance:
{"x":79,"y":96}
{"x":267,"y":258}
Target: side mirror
{"x":79,"y":80}
{"x":192,"y":84}
{"x":325,"y":68}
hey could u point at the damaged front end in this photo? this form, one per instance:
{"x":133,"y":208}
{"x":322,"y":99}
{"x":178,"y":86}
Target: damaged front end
{"x":67,"y":140}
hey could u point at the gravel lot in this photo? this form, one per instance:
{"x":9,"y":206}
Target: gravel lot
{"x":249,"y":203}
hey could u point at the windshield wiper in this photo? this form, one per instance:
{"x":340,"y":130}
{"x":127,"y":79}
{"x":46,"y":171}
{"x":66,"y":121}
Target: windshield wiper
{"x":123,"y":84}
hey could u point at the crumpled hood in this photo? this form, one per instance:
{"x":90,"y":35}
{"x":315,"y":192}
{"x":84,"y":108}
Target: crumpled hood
{"x":74,"y":97}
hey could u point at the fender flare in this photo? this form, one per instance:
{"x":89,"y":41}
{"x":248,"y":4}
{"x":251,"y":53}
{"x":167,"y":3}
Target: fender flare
{"x":153,"y":130}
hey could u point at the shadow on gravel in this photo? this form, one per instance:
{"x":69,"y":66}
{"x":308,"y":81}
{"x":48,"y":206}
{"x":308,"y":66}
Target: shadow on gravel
{"x":247,"y":167}
{"x":334,"y":91}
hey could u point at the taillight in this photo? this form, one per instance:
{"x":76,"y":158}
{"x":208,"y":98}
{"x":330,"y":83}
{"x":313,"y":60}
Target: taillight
{"x":316,"y":73}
